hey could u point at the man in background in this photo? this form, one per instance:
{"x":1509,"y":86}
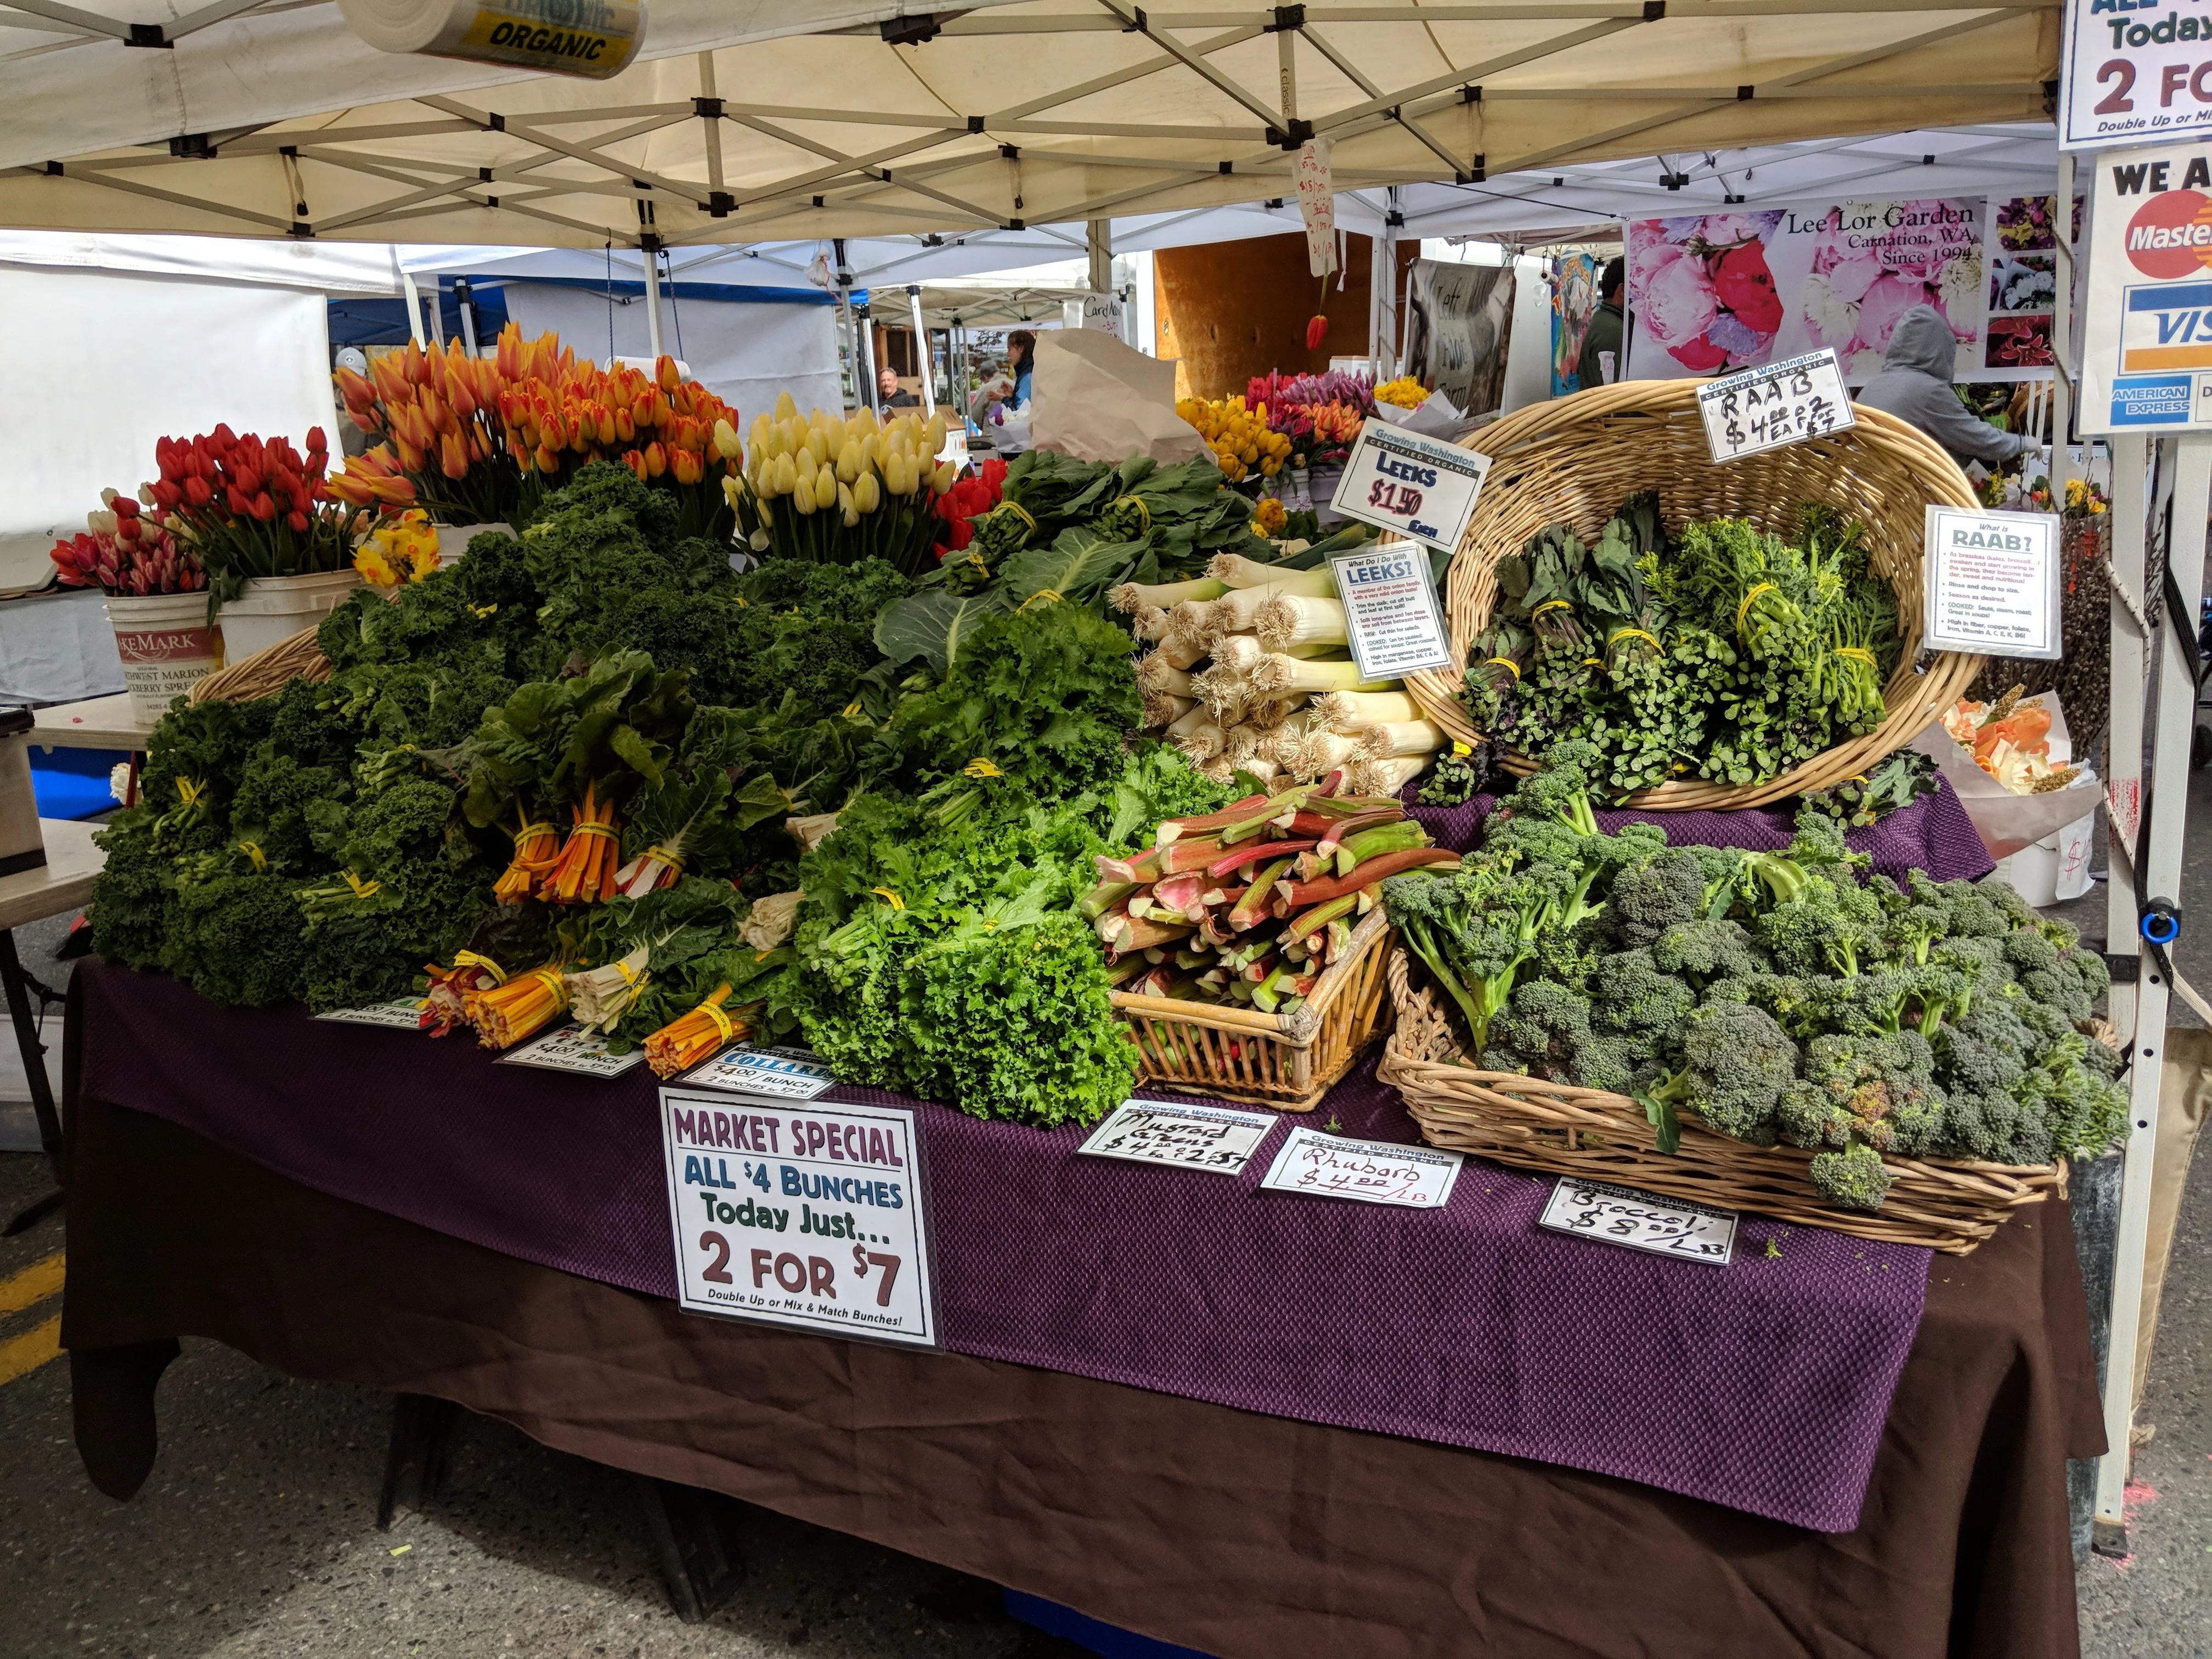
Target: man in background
{"x":894,"y":396}
{"x":1608,"y":330}
{"x":1915,"y":385}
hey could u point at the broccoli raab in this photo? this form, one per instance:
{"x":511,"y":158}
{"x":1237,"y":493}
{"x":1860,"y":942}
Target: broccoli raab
{"x":1775,"y":998}
{"x":1724,"y":653}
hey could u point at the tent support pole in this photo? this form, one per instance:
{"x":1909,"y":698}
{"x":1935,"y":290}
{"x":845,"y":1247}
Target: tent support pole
{"x":414,"y":305}
{"x":921,"y":350}
{"x":1099,"y":242}
{"x":2187,"y":462}
{"x":652,"y":301}
{"x":1383,"y":287}
{"x":2062,"y":337}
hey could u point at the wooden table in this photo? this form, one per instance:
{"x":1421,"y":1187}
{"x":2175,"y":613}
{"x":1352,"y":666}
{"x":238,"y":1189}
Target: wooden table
{"x":62,"y":884}
{"x":95,"y":723}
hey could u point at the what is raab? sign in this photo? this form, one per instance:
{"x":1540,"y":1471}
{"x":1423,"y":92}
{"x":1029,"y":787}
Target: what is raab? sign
{"x":811,"y":1215}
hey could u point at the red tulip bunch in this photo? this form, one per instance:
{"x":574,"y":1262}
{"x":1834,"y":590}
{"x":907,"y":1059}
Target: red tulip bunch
{"x":127,"y":553}
{"x":969,"y":498}
{"x":251,"y":508}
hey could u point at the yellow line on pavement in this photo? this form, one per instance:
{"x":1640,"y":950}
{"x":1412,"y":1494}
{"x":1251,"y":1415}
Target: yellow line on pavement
{"x":22,"y":1355}
{"x":31,"y":1286}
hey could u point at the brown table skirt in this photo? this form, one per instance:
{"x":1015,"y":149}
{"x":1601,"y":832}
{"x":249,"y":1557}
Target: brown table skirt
{"x":1245,"y":1536}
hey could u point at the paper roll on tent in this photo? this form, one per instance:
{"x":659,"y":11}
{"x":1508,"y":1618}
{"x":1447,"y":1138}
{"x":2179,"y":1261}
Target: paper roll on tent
{"x":592,"y":38}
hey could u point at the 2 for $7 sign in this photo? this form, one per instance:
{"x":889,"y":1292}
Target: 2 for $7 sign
{"x":809,"y":1216}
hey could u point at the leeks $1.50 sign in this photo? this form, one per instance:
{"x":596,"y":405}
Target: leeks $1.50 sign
{"x":1422,"y":488}
{"x":802,"y":1215}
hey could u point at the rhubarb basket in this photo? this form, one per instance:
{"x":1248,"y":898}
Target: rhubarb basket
{"x":1287,"y":1062}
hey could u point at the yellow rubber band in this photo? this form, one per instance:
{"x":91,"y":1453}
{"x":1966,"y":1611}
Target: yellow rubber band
{"x":551,"y":979}
{"x":1744,"y":609}
{"x":1138,"y":502}
{"x":1021,"y":512}
{"x":1593,"y":662}
{"x":361,"y":889}
{"x":1042,"y":596}
{"x":540,"y":828}
{"x":470,"y":959}
{"x":981,"y":767}
{"x":721,"y":1020}
{"x":1504,"y":662}
{"x":1620,"y":634}
{"x":1563,"y":604}
{"x":897,"y":903}
{"x":1858,"y":653}
{"x":260,"y":863}
{"x":606,"y":829}
{"x":673,"y":860}
{"x":191,"y":791}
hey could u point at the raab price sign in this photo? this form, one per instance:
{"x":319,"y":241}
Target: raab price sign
{"x":799,"y":1215}
{"x":1784,"y":402}
{"x":1419,"y":487}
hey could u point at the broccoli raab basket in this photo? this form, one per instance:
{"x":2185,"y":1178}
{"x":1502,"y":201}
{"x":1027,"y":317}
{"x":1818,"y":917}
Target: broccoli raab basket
{"x":1575,"y":460}
{"x":1758,"y":1031}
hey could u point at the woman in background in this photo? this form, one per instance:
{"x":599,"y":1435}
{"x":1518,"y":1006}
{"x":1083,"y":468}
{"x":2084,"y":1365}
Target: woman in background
{"x":1021,"y":354}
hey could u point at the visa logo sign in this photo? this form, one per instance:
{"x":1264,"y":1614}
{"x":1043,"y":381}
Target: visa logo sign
{"x":2167,"y":326}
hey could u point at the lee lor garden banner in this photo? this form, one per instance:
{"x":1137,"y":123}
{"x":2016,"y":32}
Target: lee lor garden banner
{"x":1713,"y":292}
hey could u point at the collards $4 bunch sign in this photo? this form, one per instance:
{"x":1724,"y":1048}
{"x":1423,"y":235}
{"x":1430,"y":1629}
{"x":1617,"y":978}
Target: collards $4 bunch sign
{"x":806,"y":1215}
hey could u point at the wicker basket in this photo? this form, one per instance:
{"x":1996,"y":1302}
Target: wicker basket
{"x":1536,"y":1125}
{"x":1285,"y":1060}
{"x":265,"y":673}
{"x":1577,"y":458}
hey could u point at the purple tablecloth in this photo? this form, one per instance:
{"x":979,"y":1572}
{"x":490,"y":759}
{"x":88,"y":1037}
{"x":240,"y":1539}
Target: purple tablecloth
{"x":1762,"y":1386}
{"x":1933,"y":834}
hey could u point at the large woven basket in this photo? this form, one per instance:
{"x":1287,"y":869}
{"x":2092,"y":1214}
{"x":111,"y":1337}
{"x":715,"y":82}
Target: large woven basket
{"x":265,"y":673}
{"x":1578,"y":458}
{"x":1536,"y":1125}
{"x":1285,"y":1060}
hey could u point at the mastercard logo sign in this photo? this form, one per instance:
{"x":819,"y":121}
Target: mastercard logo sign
{"x":2171,"y":235}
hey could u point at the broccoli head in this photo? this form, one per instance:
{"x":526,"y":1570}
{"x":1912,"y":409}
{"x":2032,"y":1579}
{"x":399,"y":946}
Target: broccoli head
{"x":1543,"y":1023}
{"x":1703,"y":952}
{"x":2071,"y":984}
{"x":1561,"y":790}
{"x":1853,"y":1179}
{"x":1818,"y":845}
{"x":1736,"y":1062}
{"x":1633,"y":996}
{"x":1878,"y":1092}
{"x":1827,"y":927}
{"x":1647,"y":899}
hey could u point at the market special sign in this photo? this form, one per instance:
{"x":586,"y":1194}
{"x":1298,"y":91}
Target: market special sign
{"x":2138,"y":72}
{"x":1715,"y":293}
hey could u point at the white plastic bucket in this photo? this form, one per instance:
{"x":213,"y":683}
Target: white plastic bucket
{"x":453,"y":540}
{"x":166,"y":644}
{"x":274,"y":608}
{"x":2052,"y":870}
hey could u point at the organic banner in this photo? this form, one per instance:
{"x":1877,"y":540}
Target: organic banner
{"x":1711,"y":293}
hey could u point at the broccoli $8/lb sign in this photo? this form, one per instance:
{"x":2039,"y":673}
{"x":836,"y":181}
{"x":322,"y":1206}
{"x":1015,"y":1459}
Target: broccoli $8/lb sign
{"x":809,"y":1215}
{"x":1419,"y":487}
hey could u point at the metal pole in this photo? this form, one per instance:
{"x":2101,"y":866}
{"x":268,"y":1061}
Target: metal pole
{"x":1383,"y":287}
{"x":921,"y":350}
{"x":2062,"y":337}
{"x":652,"y":260}
{"x":848,"y":332}
{"x":868,"y":394}
{"x":414,"y":305}
{"x":1100,"y":240}
{"x":2189,"y":463}
{"x":462,"y":295}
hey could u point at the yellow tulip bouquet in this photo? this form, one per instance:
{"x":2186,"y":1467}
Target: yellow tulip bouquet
{"x":838,"y":491}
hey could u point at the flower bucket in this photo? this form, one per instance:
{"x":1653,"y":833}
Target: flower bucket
{"x":274,"y":608}
{"x":166,"y":644}
{"x":453,"y":540}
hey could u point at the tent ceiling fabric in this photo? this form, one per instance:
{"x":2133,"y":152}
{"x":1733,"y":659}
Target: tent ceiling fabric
{"x":1045,"y":112}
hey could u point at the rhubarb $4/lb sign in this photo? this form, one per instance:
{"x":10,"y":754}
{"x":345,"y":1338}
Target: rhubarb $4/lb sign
{"x":2146,"y":328}
{"x":810,"y":1215}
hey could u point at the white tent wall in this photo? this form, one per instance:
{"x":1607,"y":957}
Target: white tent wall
{"x":743,"y":352}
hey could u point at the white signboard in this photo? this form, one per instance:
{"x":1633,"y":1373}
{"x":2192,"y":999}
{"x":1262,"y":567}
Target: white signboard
{"x":1218,"y":1139}
{"x":1990,"y":583}
{"x":573,"y":1048}
{"x":1765,"y":408}
{"x":1103,"y":311}
{"x":2137,"y":71}
{"x":1372,"y":1171}
{"x":1316,"y":190}
{"x":1419,"y":487}
{"x":1621,"y":1215}
{"x":768,"y":1072}
{"x":401,"y":1014}
{"x":806,"y":1216}
{"x":2146,"y":324}
{"x":1391,"y":611}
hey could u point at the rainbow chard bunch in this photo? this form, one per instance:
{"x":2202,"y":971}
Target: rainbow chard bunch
{"x":250,"y":507}
{"x":125,"y":553}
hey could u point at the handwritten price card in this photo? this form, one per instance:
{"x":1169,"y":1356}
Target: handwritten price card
{"x":1783,"y":402}
{"x":805,"y":1216}
{"x":1621,"y":1215}
{"x":1419,"y":487}
{"x":573,"y":1049}
{"x":401,"y":1014}
{"x":1372,"y":1171}
{"x":1991,"y":583}
{"x":773,"y":1073}
{"x":1218,"y":1139}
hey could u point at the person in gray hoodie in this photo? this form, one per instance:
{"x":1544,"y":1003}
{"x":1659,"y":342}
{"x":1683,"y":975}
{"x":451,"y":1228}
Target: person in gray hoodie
{"x":1915,"y":385}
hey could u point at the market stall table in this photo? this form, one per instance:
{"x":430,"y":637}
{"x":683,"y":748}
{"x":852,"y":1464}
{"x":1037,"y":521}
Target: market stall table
{"x":110,"y":722}
{"x":62,"y":884}
{"x":220,"y":1199}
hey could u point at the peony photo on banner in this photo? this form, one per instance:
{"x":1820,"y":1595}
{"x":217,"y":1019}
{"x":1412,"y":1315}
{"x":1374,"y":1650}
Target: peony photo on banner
{"x":1714,"y":292}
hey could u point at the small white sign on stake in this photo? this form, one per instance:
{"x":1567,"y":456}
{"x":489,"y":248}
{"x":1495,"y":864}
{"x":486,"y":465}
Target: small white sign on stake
{"x":1765,"y":408}
{"x":1217,"y":1139}
{"x":805,"y":1215}
{"x":1641,"y":1221}
{"x":1372,"y":1171}
{"x":399,"y":1014}
{"x":1391,"y":611}
{"x":769,"y":1072}
{"x":1990,"y":582}
{"x":1419,"y":487}
{"x":574,"y":1049}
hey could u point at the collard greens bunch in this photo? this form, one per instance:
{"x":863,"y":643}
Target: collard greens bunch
{"x":1771,"y":997}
